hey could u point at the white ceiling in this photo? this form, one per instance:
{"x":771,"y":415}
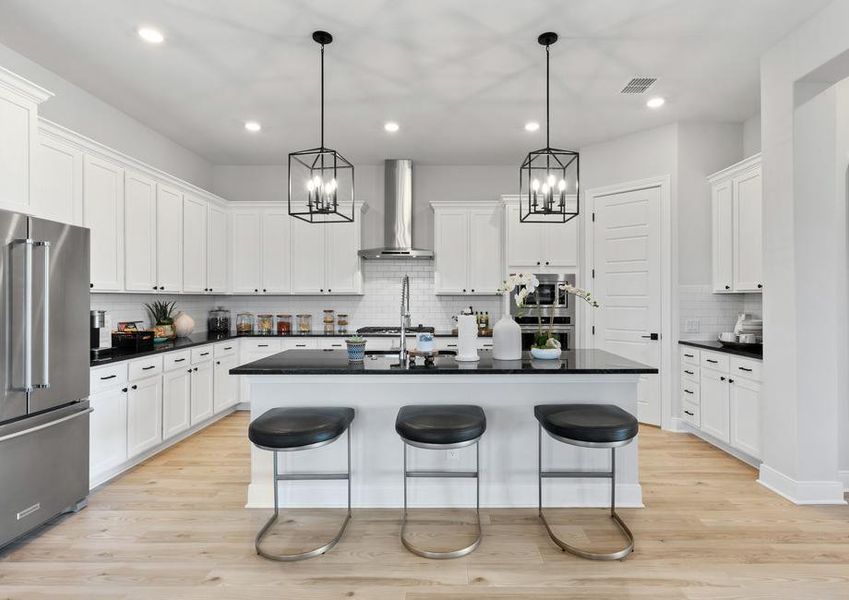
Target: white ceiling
{"x":460,"y":76}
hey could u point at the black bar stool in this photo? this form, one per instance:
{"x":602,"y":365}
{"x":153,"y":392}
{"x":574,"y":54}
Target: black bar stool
{"x":442,"y":427}
{"x":292,"y":430}
{"x":589,"y":426}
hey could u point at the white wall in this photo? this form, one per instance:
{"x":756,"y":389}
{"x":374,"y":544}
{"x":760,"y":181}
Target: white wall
{"x":752,"y":135}
{"x":804,"y":260}
{"x":84,"y":113}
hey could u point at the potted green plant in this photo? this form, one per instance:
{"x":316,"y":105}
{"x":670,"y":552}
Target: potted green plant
{"x":162,"y":317}
{"x":356,"y":348}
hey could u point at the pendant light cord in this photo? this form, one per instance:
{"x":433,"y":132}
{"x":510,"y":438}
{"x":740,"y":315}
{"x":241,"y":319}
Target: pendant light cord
{"x":322,"y":96}
{"x":547,"y":101}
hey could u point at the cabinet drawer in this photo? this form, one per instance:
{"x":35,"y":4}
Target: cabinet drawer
{"x":691,"y":414}
{"x":332,"y":344}
{"x":261,"y":345}
{"x":715,"y":361}
{"x":690,"y":392}
{"x":744,"y":367}
{"x":176,"y":360}
{"x":690,"y":373}
{"x":202,"y":354}
{"x":145,"y":367}
{"x":226,"y":349}
{"x":106,"y":377}
{"x":304,"y":343}
{"x":690,"y":356}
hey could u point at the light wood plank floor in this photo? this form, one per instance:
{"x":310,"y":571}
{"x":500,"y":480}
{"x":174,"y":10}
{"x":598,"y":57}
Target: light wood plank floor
{"x":175,"y":527}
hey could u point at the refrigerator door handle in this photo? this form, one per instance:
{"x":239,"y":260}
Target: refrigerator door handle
{"x":27,"y":384}
{"x":45,"y":377}
{"x":45,"y":425}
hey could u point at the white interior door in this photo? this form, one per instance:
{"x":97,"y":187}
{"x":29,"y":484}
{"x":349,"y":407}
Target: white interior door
{"x":627,"y":285}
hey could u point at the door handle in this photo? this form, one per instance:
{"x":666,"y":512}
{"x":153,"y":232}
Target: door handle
{"x":27,"y":383}
{"x":651,"y":336}
{"x":45,"y":364}
{"x":148,"y":368}
{"x":46,"y":425}
{"x":687,"y":412}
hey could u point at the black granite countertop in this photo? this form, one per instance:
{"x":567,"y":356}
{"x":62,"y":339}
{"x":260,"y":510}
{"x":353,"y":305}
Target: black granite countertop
{"x":335,"y":362}
{"x":200,"y":339}
{"x":717,"y":347}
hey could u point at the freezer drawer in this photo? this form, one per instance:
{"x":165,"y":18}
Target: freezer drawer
{"x":43,"y":467}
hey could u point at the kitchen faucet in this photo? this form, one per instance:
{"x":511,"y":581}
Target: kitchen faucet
{"x":405,"y":318}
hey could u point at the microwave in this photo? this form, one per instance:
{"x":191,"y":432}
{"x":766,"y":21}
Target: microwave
{"x":548,"y":301}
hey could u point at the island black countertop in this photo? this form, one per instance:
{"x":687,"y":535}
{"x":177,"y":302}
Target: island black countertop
{"x":335,"y":362}
{"x":717,"y":347}
{"x":199,"y":339}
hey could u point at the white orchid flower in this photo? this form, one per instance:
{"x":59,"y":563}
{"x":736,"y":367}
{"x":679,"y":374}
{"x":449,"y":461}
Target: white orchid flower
{"x":580,"y":293}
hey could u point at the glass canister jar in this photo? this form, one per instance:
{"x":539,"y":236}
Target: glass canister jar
{"x":342,"y":323}
{"x":329,"y":321}
{"x":218,"y":321}
{"x":244,"y":323}
{"x":304,"y":324}
{"x":265,"y":324}
{"x":284,"y":324}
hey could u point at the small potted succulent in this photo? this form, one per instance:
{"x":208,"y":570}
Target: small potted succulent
{"x":162,"y":316}
{"x":356,"y":348}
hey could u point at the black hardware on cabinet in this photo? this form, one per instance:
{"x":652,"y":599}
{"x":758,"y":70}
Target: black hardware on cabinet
{"x":651,"y":336}
{"x":689,"y":372}
{"x":710,"y":360}
{"x":722,"y":378}
{"x":727,"y":287}
{"x":689,"y":356}
{"x":228,"y":347}
{"x":204,"y":353}
{"x":760,"y":286}
{"x":135,"y":387}
{"x":688,"y":391}
{"x":217,"y":362}
{"x":108,"y":377}
{"x":124,"y":390}
{"x":91,"y":285}
{"x":745,"y":369}
{"x":176,"y":360}
{"x":687,"y":412}
{"x":730,"y":381}
{"x":148,"y":368}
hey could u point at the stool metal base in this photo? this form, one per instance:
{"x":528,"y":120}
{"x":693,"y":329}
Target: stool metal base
{"x":623,"y":528}
{"x":447,"y":474}
{"x":305,"y":477}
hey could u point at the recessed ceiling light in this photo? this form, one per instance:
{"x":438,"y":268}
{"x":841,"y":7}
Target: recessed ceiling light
{"x":531,"y":126}
{"x":391,"y":126}
{"x":252,"y":126}
{"x":656,"y":102}
{"x":151,"y":35}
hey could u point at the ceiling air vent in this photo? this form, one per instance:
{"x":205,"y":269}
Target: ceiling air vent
{"x":638,"y":85}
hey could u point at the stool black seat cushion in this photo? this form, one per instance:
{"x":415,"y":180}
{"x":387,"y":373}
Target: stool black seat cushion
{"x":440,"y":424}
{"x":296,"y":427}
{"x":594,"y":423}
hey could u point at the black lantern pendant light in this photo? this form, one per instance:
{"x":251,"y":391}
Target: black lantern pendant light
{"x":321,"y":181}
{"x":549,"y":177}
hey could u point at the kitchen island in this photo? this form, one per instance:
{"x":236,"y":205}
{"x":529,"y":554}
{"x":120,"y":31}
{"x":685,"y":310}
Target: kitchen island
{"x":506,"y":390}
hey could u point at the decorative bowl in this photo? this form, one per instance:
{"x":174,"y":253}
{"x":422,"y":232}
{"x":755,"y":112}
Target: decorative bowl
{"x":546,"y":353}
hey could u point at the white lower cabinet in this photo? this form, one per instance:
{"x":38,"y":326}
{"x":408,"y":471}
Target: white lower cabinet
{"x":108,"y":432}
{"x":745,"y":415}
{"x":202,"y":392}
{"x":176,"y":402}
{"x":225,"y":386}
{"x":144,"y":415}
{"x":715,"y":404}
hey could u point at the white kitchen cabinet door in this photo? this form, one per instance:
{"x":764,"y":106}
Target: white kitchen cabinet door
{"x":176,"y":401}
{"x":485,"y":262}
{"x":194,"y":245}
{"x":19,"y":127}
{"x":246,"y":248}
{"x":144,"y":415}
{"x":276,"y":258}
{"x":561,"y":241}
{"x":451,"y":251}
{"x":103,"y":214}
{"x":202,"y":392}
{"x":748,"y":233}
{"x":343,"y":267}
{"x":139,"y":233}
{"x":308,"y":249}
{"x":58,"y":186}
{"x":107,"y":432}
{"x":525,"y":242}
{"x":216,"y":249}
{"x":746,"y":416}
{"x":722,"y":199}
{"x":225,"y":386}
{"x":169,"y":239}
{"x":714,"y":404}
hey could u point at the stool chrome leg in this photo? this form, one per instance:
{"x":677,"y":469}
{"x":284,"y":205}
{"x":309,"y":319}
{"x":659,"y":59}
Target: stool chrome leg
{"x":450,"y":474}
{"x":303,"y":477}
{"x":623,"y":528}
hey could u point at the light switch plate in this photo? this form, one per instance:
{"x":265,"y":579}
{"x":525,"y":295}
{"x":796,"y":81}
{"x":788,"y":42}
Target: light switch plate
{"x":692,"y":326}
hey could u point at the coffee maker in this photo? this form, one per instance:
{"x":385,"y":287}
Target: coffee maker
{"x":101,"y":341}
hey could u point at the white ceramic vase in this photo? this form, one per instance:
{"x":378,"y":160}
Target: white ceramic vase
{"x":184,"y":325}
{"x":506,"y":336}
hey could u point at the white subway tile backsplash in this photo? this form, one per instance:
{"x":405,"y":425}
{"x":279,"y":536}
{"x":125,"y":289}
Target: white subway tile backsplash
{"x":715,"y":312}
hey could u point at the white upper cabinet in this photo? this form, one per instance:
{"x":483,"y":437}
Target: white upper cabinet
{"x":261,"y":251}
{"x":139,"y":233}
{"x":103,"y":214}
{"x":467,"y":248}
{"x":246,"y":269}
{"x":275,"y":252}
{"x":307,"y":248}
{"x":216,"y":249}
{"x":19,"y":100}
{"x":194,"y":245}
{"x":169,"y":239}
{"x":539,"y":247}
{"x":58,"y":186}
{"x":343,"y":267}
{"x":737,"y":204}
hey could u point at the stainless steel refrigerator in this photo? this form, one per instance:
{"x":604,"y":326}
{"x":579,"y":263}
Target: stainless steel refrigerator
{"x":44,"y":369}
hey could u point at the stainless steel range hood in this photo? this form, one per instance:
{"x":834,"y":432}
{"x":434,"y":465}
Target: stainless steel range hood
{"x":398,"y":218}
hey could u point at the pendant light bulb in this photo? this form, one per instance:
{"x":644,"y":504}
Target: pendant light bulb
{"x":551,"y":180}
{"x":562,"y":185}
{"x":310,"y":185}
{"x":545,"y":188}
{"x":535,"y":185}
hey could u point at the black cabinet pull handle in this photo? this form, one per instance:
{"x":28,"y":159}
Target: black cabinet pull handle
{"x":687,"y":412}
{"x":189,"y":371}
{"x":204,"y":353}
{"x":91,"y":285}
{"x":300,"y":345}
{"x":196,"y":369}
{"x":124,"y":390}
{"x":262,"y":345}
{"x":154,"y":287}
{"x":722,"y":378}
{"x":710,"y":360}
{"x":687,"y":391}
{"x":256,"y":289}
{"x":689,"y":372}
{"x":730,"y":381}
{"x":546,"y":263}
{"x":745,"y":369}
{"x":329,"y":290}
{"x":327,"y":349}
{"x":264,"y":290}
{"x":760,"y":286}
{"x":464,"y":290}
{"x":217,"y":362}
{"x":538,"y":263}
{"x":135,"y":387}
{"x":148,"y":368}
{"x":689,"y":356}
{"x":321,"y":290}
{"x":179,"y":360}
{"x":108,"y":377}
{"x":473,"y":290}
{"x":228,"y":347}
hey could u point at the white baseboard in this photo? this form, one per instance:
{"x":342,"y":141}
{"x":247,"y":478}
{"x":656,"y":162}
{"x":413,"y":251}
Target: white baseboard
{"x":844,"y":478}
{"x":676,"y":425}
{"x":741,"y":456}
{"x":801,"y":492}
{"x":595,"y":494}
